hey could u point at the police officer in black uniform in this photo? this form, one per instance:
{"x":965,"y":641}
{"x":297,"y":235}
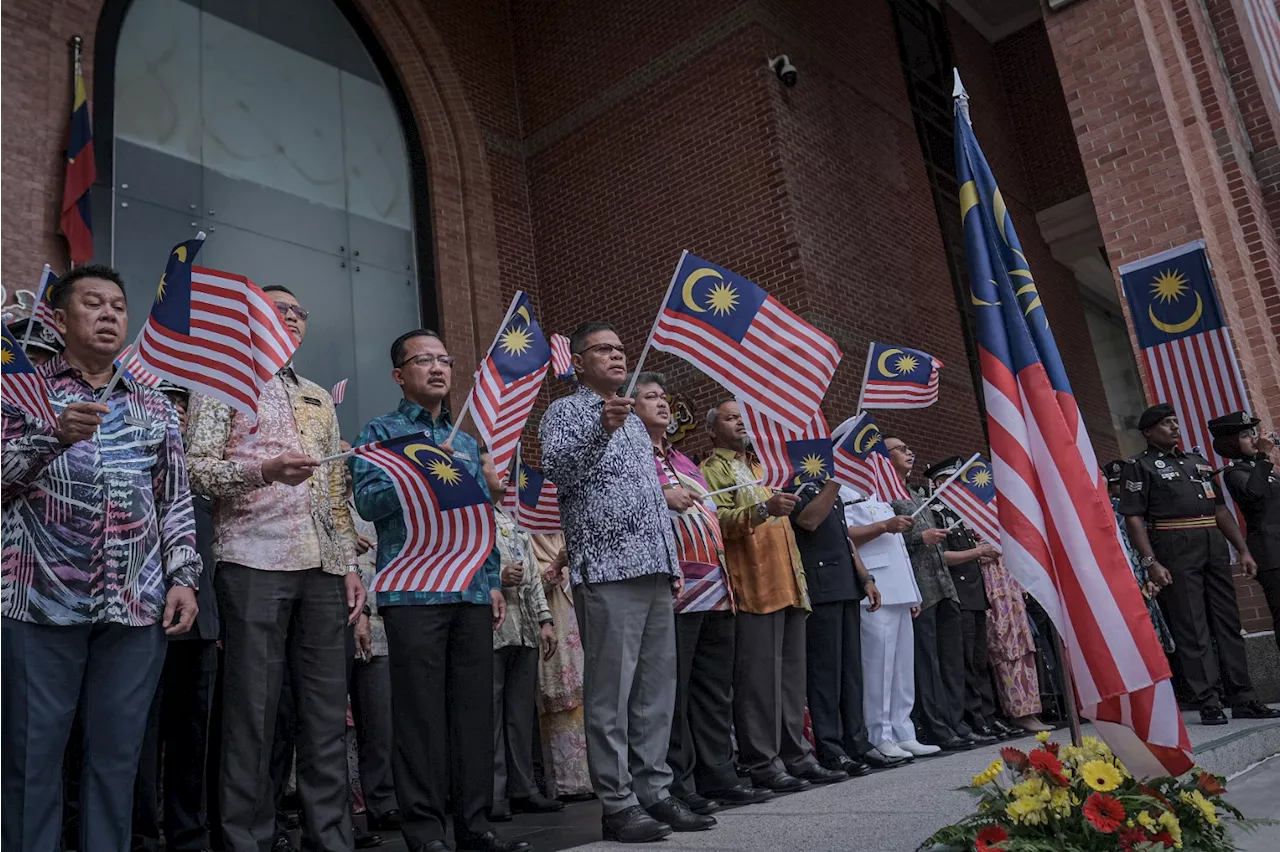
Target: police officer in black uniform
{"x":40,"y":344}
{"x":1252,"y":481}
{"x":961,"y":551}
{"x":1186,"y":553}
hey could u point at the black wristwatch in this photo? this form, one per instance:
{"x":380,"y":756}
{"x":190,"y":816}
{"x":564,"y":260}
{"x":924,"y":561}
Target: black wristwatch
{"x":366,"y":611}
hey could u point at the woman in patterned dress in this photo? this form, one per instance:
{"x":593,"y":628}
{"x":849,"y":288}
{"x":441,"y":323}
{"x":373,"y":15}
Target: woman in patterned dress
{"x":1011,"y":648}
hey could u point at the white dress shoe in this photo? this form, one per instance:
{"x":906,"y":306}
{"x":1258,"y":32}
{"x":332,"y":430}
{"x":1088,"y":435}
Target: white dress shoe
{"x":918,"y":748}
{"x":890,"y":749}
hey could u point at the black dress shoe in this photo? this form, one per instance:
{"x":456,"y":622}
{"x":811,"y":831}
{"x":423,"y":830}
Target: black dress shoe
{"x":676,"y":814}
{"x":956,"y":743}
{"x":1254,"y":710}
{"x":700,"y":804}
{"x":1009,"y":731}
{"x":535,"y":804}
{"x":876,"y":760}
{"x":390,"y":821}
{"x":978,"y":738}
{"x":490,"y":842}
{"x":741,"y":795}
{"x":433,"y":846}
{"x":784,"y":782}
{"x":366,"y":840}
{"x":847,"y":765}
{"x":500,"y":812}
{"x":991,"y":731}
{"x":633,"y":825}
{"x":819,"y":774}
{"x":282,"y":843}
{"x":1212,"y":714}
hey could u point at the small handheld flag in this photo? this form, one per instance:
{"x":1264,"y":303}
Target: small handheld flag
{"x":42,"y":311}
{"x":449,"y":522}
{"x":136,"y":371}
{"x":339,"y":392}
{"x":897,"y":377}
{"x":24,"y":388}
{"x":561,"y":358}
{"x":531,"y":499}
{"x":972,"y":496}
{"x":788,"y":458}
{"x":76,"y":220}
{"x":862,"y":461}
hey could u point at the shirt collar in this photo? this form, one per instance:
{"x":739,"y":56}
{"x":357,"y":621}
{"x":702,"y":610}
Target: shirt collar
{"x":413,"y":411}
{"x":58,"y":366}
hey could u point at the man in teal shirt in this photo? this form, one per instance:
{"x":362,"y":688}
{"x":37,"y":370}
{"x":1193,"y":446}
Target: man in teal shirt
{"x":440,"y":643}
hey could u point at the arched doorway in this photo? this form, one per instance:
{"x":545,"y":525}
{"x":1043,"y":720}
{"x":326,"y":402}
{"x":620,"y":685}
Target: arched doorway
{"x":279,"y":130}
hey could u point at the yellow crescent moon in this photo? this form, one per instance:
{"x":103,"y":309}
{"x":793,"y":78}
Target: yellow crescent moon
{"x":181,"y":253}
{"x":884,"y":356}
{"x":1178,"y":327}
{"x":524,"y":312}
{"x":968,"y":475}
{"x":687,"y":293}
{"x":413,"y":449}
{"x":857,"y":442}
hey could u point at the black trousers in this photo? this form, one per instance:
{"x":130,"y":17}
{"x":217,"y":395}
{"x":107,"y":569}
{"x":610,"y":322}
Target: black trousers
{"x":939,"y":640}
{"x":1269,"y":579}
{"x":1202,"y":609}
{"x":701,"y":751}
{"x":769,"y":693}
{"x":834,"y":676}
{"x":173,"y":752}
{"x":979,"y":697}
{"x":442,"y":728}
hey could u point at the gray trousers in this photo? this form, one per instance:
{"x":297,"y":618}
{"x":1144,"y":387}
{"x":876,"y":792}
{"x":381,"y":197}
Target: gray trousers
{"x":628,"y":687}
{"x":769,"y":691}
{"x":110,"y":671}
{"x":515,"y":678}
{"x":274,"y":620}
{"x":371,"y":709}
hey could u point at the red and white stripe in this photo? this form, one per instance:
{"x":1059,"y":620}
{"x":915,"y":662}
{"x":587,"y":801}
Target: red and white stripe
{"x":501,"y":410}
{"x":769,"y":440}
{"x":339,"y":392}
{"x":442,"y":550}
{"x":543,"y":518}
{"x":42,"y":312}
{"x":137,"y":371}
{"x":237,"y":342}
{"x":28,"y":392}
{"x":561,"y":357}
{"x":873,"y":476}
{"x":981,"y":517}
{"x":1264,"y":21}
{"x":783,"y":365}
{"x":880,"y":393}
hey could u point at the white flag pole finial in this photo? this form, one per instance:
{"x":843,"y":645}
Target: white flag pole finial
{"x":961,"y":96}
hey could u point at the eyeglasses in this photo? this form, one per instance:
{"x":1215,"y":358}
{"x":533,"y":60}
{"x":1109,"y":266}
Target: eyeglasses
{"x":285,"y":307}
{"x":606,"y":348}
{"x":902,"y":449}
{"x":427,"y":361}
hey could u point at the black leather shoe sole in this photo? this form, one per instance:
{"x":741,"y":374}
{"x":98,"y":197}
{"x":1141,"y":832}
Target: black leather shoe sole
{"x":790,"y":785}
{"x":1245,"y":713}
{"x":659,"y":831}
{"x":1212,"y":719}
{"x":702,"y":806}
{"x":736,"y":798}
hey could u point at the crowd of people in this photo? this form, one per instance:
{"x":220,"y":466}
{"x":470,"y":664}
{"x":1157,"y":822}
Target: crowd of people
{"x":187,"y":629}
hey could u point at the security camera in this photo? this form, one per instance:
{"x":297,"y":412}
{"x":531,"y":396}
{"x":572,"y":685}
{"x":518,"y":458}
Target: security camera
{"x":782,"y":68}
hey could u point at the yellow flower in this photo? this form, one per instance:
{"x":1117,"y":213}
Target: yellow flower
{"x":1208,"y":811}
{"x":1170,"y":823}
{"x":1146,"y":821}
{"x":1060,"y":802}
{"x":1069,"y":754}
{"x":1100,"y":775}
{"x":1042,"y":737}
{"x":1029,"y":810}
{"x":1029,"y":789}
{"x":989,"y":774}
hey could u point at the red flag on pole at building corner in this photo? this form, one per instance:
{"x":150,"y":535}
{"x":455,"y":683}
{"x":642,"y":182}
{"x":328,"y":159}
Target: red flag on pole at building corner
{"x":76,"y":218}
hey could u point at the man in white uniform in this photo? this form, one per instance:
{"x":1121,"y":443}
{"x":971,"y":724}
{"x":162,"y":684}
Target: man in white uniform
{"x":888,"y":645}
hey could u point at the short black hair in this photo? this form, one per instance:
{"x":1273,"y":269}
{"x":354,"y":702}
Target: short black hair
{"x":578,"y":339}
{"x":398,"y":347}
{"x":649,"y":377}
{"x":278,"y":288}
{"x":66,"y":284}
{"x":1228,"y":446}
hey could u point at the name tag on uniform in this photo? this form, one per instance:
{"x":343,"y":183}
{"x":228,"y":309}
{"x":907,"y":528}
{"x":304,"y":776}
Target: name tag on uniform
{"x":311,"y":400}
{"x":1170,"y":474}
{"x":1207,"y":486}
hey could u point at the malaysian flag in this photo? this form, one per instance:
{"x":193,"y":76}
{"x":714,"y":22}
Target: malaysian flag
{"x":1057,"y":527}
{"x":449,"y":523}
{"x":897,"y":377}
{"x":508,"y":381}
{"x":23,"y":387}
{"x":862,"y":461}
{"x":533,"y":501}
{"x":746,"y":340}
{"x":134,"y":369}
{"x":561,"y":358}
{"x":1183,"y":341}
{"x":972,"y":496}
{"x":213,"y":332}
{"x":789,"y":458}
{"x":339,"y":392}
{"x":42,"y":311}
{"x":76,"y":220}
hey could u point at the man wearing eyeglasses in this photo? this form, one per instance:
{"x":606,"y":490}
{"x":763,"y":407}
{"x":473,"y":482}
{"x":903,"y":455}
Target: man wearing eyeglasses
{"x":288,"y":586}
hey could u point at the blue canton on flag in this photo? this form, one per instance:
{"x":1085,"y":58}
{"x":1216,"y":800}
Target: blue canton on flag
{"x":24,"y":388}
{"x":862,"y":462}
{"x":898,"y":377}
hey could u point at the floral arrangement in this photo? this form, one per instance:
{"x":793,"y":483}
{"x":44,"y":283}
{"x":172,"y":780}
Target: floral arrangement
{"x":1082,"y":799}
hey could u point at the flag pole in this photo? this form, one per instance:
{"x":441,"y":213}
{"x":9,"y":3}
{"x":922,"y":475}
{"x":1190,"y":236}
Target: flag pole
{"x":866,"y":374}
{"x":1069,"y":686}
{"x":635,"y":375}
{"x":466,"y":406}
{"x":733,"y":488}
{"x":950,"y":479}
{"x":31,"y":323}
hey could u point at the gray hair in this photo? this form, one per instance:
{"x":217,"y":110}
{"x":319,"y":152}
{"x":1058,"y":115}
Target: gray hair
{"x":649,"y":377}
{"x":714,"y":414}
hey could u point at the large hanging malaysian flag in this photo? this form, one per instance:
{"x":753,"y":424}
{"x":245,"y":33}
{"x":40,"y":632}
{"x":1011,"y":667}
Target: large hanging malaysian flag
{"x":1057,"y":528}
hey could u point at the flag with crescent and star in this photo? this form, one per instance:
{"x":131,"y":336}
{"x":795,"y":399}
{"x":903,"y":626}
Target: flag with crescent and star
{"x":789,"y":458}
{"x":212,"y":332}
{"x":1057,"y":527}
{"x":42,"y":311}
{"x":23,"y":387}
{"x":508,"y":381}
{"x":561,"y":358}
{"x":76,"y":220}
{"x":862,"y":462}
{"x":898,"y":377}
{"x":739,"y":335}
{"x":1183,"y":341}
{"x":449,"y":524}
{"x":531,"y":500}
{"x":972,"y":496}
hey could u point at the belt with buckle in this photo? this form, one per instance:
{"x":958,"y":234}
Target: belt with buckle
{"x":1197,"y":523}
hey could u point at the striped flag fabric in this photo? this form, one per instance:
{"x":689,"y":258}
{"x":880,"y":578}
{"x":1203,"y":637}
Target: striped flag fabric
{"x":42,"y":311}
{"x":739,"y":335}
{"x":972,"y":496}
{"x":213,"y":332}
{"x":862,"y":462}
{"x":1057,"y":528}
{"x":897,"y":377}
{"x":561,"y":358}
{"x":533,"y":502}
{"x":23,"y":387}
{"x":339,"y":392}
{"x":1183,"y":341}
{"x":135,"y":370}
{"x":76,"y":219}
{"x":508,"y":381}
{"x":449,"y":523}
{"x":789,"y":458}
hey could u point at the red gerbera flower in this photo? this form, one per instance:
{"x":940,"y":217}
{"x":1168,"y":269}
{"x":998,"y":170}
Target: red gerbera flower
{"x":1104,"y":812}
{"x":1164,"y":837}
{"x":1129,"y":837}
{"x":1048,"y":764}
{"x":1210,"y":785}
{"x":990,"y":834}
{"x":1015,"y":759}
{"x":1052,"y":748}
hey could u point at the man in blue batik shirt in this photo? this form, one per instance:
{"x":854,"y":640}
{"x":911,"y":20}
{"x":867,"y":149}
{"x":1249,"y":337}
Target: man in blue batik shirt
{"x":440,"y":643}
